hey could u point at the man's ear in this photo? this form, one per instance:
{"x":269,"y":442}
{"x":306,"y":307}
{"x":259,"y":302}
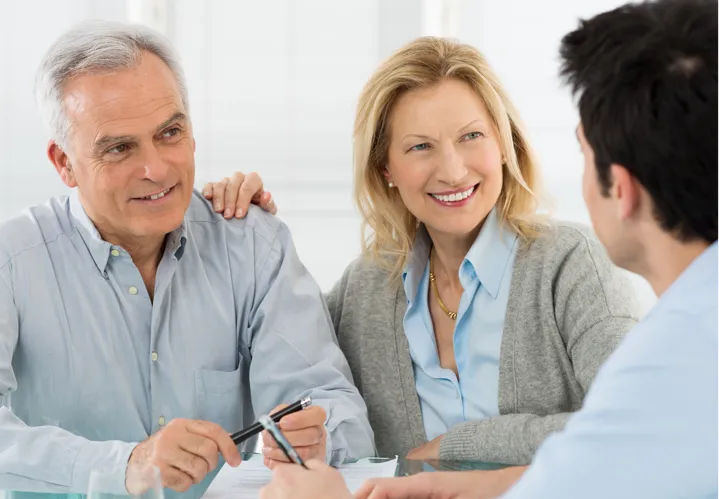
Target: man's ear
{"x":626,"y":190}
{"x":61,"y":162}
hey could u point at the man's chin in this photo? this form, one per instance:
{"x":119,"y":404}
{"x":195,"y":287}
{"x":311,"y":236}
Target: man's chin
{"x":157,"y":226}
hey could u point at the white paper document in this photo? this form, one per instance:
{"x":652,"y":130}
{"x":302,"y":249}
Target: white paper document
{"x":245,"y":481}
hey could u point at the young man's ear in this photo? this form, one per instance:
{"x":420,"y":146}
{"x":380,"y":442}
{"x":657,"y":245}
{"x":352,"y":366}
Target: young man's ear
{"x":61,"y":162}
{"x":626,"y":190}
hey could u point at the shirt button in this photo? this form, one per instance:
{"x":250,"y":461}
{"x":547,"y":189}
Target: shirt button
{"x":161,"y":421}
{"x":115,"y":253}
{"x":133,"y":290}
{"x":154,"y":356}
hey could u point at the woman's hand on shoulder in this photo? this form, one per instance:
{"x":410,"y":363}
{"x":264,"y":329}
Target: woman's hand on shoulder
{"x":232,"y":196}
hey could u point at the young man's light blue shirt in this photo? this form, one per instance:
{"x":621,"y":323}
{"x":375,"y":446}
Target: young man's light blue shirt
{"x":90,"y":365}
{"x":486,"y":275}
{"x":648,"y":428}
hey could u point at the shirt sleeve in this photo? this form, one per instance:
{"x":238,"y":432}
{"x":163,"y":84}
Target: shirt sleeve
{"x":648,"y":427}
{"x":295,"y":352}
{"x":45,"y":458}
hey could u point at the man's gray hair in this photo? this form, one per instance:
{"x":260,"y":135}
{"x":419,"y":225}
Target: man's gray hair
{"x":95,"y":47}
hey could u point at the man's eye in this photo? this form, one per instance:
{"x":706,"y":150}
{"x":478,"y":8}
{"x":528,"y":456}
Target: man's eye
{"x":172,"y":132}
{"x":119,"y":149}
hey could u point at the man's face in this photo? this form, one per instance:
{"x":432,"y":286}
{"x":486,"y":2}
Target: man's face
{"x":609,"y":212}
{"x":131,"y":150}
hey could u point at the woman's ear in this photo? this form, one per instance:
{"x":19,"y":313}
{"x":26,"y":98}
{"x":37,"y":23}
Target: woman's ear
{"x":388,"y":177}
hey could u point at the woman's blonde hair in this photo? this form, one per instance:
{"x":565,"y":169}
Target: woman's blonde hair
{"x":388,"y":227}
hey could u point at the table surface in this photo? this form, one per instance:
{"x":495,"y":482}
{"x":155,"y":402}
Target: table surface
{"x":405,"y":467}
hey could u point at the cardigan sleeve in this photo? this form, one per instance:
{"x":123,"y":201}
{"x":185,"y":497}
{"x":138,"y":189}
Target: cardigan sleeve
{"x":335,"y":297}
{"x":594,"y":307}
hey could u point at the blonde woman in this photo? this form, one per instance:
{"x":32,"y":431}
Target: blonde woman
{"x":473,"y":326}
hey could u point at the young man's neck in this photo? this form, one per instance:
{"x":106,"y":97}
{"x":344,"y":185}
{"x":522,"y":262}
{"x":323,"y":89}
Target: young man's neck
{"x":666,"y":258}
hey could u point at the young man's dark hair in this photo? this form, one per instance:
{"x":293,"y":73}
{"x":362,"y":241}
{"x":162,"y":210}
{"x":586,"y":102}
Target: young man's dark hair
{"x":646,"y":75}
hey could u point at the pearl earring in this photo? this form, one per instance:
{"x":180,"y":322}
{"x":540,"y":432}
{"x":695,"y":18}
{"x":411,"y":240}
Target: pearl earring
{"x":391,"y":184}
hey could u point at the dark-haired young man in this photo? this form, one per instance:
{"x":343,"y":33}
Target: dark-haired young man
{"x":646,"y":77}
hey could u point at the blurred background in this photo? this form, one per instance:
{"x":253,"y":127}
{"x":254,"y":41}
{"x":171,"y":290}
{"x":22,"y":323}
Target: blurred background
{"x":273,"y":85}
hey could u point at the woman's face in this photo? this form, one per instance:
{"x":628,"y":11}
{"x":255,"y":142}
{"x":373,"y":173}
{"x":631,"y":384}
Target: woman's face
{"x":444,"y":157}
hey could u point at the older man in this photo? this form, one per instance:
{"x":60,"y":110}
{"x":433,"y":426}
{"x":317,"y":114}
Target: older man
{"x":137,"y":326}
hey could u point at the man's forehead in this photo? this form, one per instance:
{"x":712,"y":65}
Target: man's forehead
{"x":139,"y":95}
{"x":99,"y":124}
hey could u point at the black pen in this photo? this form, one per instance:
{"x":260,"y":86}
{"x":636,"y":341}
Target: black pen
{"x":256,"y":427}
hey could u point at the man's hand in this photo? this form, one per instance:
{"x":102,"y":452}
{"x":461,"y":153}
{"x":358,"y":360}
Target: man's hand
{"x":430,"y":450}
{"x":290,"y":481}
{"x":184,"y":451}
{"x":304,"y":429}
{"x":443,"y":485}
{"x":232,"y":196}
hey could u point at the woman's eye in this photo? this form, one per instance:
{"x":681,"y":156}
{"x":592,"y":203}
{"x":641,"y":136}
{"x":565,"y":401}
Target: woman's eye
{"x":419,"y":147}
{"x":472,"y":135}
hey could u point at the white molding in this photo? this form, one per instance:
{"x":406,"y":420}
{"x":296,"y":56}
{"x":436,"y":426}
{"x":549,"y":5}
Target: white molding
{"x":399,"y":22}
{"x":152,"y":13}
{"x":440,"y":18}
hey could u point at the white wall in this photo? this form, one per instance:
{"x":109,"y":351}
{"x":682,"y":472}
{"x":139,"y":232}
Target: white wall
{"x":27,"y":29}
{"x":273,"y":87}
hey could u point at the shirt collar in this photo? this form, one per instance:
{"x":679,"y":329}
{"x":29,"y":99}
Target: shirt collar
{"x":703,"y":267}
{"x":416,"y":263}
{"x":489,"y":255}
{"x":487,"y":259}
{"x":100,"y":249}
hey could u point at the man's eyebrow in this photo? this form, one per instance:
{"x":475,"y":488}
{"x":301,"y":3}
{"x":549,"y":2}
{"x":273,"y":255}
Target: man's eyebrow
{"x":178,"y":116}
{"x":108,"y":140}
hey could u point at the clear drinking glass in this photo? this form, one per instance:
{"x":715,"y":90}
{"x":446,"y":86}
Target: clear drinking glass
{"x":142,"y":482}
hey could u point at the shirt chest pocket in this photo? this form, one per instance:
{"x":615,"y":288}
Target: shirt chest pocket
{"x":220,"y":396}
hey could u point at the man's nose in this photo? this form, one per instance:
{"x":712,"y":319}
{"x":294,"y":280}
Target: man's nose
{"x":155,"y":167}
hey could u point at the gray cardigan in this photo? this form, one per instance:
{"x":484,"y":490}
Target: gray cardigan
{"x":568,"y":309}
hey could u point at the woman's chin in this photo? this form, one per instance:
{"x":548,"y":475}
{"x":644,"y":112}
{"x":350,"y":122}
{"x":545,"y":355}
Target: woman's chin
{"x":464,"y":227}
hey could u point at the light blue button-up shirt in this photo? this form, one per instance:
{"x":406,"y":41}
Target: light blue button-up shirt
{"x":89,"y":365}
{"x":486,"y":275}
{"x":648,"y":428}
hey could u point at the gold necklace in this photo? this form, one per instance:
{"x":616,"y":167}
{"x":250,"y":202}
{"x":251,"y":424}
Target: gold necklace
{"x":433,"y":285}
